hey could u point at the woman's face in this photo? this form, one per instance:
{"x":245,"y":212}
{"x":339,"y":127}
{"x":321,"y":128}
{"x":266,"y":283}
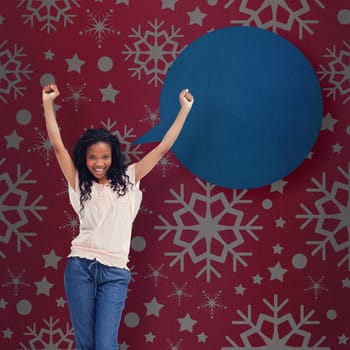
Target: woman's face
{"x":99,"y":160}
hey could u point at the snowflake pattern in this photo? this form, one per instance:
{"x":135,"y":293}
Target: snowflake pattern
{"x":179,"y":292}
{"x":51,"y":337}
{"x":99,"y":27}
{"x":43,"y":146}
{"x":16,"y":281}
{"x":337,"y":73}
{"x":76,"y":95}
{"x":212,"y":303}
{"x":153,"y":52}
{"x":15,"y":207}
{"x":71,"y":224}
{"x":211,"y":230}
{"x":277,"y":19}
{"x":316,"y":286}
{"x":48,"y":13}
{"x":155,"y":274}
{"x":284,"y":329}
{"x":92,"y":30}
{"x":166,"y":163}
{"x":12,"y":71}
{"x":64,"y":191}
{"x":333,"y":207}
{"x":175,"y":346}
{"x":152,"y":117}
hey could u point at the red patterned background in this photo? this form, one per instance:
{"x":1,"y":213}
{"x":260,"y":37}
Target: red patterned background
{"x":212,"y":268}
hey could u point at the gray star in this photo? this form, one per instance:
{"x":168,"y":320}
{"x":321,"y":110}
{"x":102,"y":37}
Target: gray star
{"x":328,"y":122}
{"x":3,"y":303}
{"x":109,"y":94}
{"x":7,"y":333}
{"x":240,"y":289}
{"x":49,"y":55}
{"x":280,"y":222}
{"x":257,"y":279}
{"x":343,"y":339}
{"x":196,"y":16}
{"x":278,"y":186}
{"x":51,"y":259}
{"x":74,"y":63}
{"x":149,"y":337}
{"x":153,"y":307}
{"x":337,"y":148}
{"x":345,"y":283}
{"x":60,"y":302}
{"x":126,"y":2}
{"x":277,"y":249}
{"x":123,"y":346}
{"x":202,"y":337}
{"x":43,"y":286}
{"x":277,"y":272}
{"x":186,"y":323}
{"x":169,"y":4}
{"x":13,"y":140}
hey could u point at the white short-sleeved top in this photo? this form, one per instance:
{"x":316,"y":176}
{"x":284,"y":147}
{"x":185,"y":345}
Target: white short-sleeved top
{"x":106,"y":222}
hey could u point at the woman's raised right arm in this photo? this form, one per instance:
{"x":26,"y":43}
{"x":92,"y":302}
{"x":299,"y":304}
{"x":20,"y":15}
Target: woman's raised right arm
{"x":49,"y":93}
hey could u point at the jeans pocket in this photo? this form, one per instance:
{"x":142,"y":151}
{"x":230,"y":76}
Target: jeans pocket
{"x":117,"y":274}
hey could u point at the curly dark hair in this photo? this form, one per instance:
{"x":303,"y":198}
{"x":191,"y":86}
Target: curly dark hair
{"x":116,"y":173}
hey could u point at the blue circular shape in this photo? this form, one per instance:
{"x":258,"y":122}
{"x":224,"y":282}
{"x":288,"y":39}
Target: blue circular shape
{"x":257,"y":110}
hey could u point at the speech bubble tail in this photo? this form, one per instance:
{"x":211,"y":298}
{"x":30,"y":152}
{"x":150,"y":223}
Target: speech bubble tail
{"x":153,"y":135}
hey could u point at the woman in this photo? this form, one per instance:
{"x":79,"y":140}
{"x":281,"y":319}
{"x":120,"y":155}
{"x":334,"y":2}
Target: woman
{"x":105,"y":194}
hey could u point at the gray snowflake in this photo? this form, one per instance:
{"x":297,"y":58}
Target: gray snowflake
{"x":12,"y":71}
{"x":316,"y":286}
{"x":212,"y":303}
{"x":43,"y":146}
{"x":15,"y":281}
{"x":15,"y":207}
{"x":337,"y":73}
{"x":76,"y":95}
{"x":71,"y":224}
{"x":64,"y":191}
{"x":155,"y":274}
{"x":295,"y":15}
{"x":99,"y":27}
{"x":153,"y":52}
{"x":174,"y":346}
{"x":179,"y":292}
{"x":151,"y":117}
{"x":51,"y":337}
{"x":275,"y":340}
{"x":166,"y":163}
{"x":48,"y":12}
{"x":331,"y":217}
{"x":219,"y":224}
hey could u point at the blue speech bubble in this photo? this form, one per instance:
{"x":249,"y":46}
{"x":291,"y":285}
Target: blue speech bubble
{"x":257,"y":110}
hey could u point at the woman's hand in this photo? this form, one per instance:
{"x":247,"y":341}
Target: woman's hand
{"x":50,"y":92}
{"x":186,"y":99}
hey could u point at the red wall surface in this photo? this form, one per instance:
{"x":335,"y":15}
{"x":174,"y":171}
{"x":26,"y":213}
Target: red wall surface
{"x":269,"y":268}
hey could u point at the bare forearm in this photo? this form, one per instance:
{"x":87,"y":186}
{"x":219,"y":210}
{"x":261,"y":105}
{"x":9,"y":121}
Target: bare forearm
{"x":175,"y":129}
{"x":147,"y":163}
{"x":52,"y":128}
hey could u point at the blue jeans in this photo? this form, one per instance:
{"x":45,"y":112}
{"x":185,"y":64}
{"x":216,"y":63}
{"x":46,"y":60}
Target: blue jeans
{"x":96,"y":296}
